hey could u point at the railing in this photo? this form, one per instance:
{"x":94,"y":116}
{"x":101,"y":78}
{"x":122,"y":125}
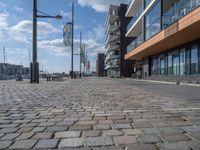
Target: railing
{"x":179,"y":10}
{"x":135,"y":17}
{"x":138,"y":41}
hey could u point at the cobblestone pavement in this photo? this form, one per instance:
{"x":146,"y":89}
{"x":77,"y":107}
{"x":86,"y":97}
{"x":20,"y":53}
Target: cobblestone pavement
{"x":94,"y":114}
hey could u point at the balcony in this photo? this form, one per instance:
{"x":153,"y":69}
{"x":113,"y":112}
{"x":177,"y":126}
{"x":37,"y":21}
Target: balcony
{"x":134,"y":18}
{"x":111,"y":48}
{"x":133,"y":7}
{"x":110,"y":57}
{"x":138,"y":41}
{"x":111,"y":38}
{"x":178,"y":10}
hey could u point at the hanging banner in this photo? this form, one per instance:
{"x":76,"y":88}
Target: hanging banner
{"x":67,"y":34}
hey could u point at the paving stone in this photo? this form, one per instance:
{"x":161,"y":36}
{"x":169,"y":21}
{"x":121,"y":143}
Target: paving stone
{"x":112,"y":132}
{"x":5,"y":144}
{"x":86,"y":148}
{"x":175,"y":137}
{"x":70,"y":119}
{"x":121,"y":126}
{"x":23,"y":144}
{"x":71,"y":142}
{"x":151,"y":131}
{"x":25,"y":129}
{"x":174,"y":146}
{"x":116,"y":117}
{"x":195,"y":135}
{"x":67,"y":134}
{"x":105,"y":122}
{"x":142,"y":123}
{"x":141,"y":147}
{"x":170,"y":130}
{"x":86,"y":123}
{"x":102,"y":127}
{"x":10,"y":136}
{"x":46,"y":124}
{"x":8,"y":130}
{"x":92,"y":133}
{"x":133,"y":132}
{"x":28,"y":125}
{"x":43,"y":135}
{"x":98,"y":141}
{"x":46,"y":143}
{"x":125,"y":121}
{"x":65,"y":123}
{"x":38,"y":129}
{"x":191,"y":128}
{"x":149,"y":139}
{"x":124,"y":140}
{"x":79,"y":127}
{"x":194,"y":144}
{"x":24,"y":136}
{"x":13,"y":125}
{"x":99,"y":118}
{"x":56,"y":128}
{"x":109,"y":148}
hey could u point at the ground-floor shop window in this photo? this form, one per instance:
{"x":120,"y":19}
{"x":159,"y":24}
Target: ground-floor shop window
{"x":170,"y":71}
{"x":194,"y":60}
{"x":176,"y":63}
{"x":182,"y":62}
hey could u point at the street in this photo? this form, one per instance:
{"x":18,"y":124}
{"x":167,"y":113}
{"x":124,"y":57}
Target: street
{"x":99,"y":114}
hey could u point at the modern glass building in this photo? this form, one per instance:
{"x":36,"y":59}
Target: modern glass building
{"x":166,"y":37}
{"x":116,"y":42}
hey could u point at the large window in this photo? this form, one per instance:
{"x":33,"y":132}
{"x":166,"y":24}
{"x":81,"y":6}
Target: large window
{"x":182,"y":62}
{"x":154,"y":66}
{"x":147,"y":2}
{"x":162,"y":65}
{"x":176,"y":63}
{"x":152,"y":21}
{"x":194,"y":60}
{"x":170,"y":72}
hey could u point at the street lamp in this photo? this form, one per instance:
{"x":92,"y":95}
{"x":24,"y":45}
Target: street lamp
{"x":34,"y":66}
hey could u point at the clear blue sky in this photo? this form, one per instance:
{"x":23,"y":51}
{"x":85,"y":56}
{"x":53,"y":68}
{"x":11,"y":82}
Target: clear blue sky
{"x":16,"y":31}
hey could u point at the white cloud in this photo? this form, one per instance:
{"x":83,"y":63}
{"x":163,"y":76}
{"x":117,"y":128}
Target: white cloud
{"x":23,"y":30}
{"x":3,"y":20}
{"x":100,"y":5}
{"x":68,"y":15}
{"x":19,"y":9}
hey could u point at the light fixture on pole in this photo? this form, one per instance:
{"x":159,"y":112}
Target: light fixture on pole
{"x":34,"y":66}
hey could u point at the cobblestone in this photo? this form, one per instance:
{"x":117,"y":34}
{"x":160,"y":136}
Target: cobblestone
{"x":94,"y":114}
{"x":46,"y":143}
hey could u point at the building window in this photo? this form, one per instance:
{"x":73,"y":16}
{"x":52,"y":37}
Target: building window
{"x":170,"y":64}
{"x":152,"y":21}
{"x":182,"y":62}
{"x":194,"y":60}
{"x":162,"y":65}
{"x":154,"y":66}
{"x":176,"y":65}
{"x":147,"y":2}
{"x":188,"y":62}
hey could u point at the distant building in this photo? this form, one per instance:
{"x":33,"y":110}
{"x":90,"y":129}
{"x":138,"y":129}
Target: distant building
{"x":116,"y":42}
{"x":100,"y":65}
{"x":11,"y":70}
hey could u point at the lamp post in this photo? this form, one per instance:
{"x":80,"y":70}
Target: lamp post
{"x":34,"y":66}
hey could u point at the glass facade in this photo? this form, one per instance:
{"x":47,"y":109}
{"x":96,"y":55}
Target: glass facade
{"x":162,"y":14}
{"x":152,"y":21}
{"x":194,"y":60}
{"x":178,"y":62}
